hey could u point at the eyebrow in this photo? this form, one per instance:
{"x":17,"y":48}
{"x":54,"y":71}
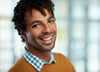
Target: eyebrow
{"x":51,"y":17}
{"x":36,"y":21}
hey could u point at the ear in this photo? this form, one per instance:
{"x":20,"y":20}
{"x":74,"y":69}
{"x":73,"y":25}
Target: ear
{"x":23,"y":34}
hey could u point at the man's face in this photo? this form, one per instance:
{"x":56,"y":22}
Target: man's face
{"x":41,"y":30}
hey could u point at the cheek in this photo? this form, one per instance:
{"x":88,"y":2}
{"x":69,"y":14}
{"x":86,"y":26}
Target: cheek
{"x":29,"y":35}
{"x":31,"y":38}
{"x":33,"y":35}
{"x":54,"y":27}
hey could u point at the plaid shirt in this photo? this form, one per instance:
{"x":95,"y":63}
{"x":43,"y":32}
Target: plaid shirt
{"x":37,"y":62}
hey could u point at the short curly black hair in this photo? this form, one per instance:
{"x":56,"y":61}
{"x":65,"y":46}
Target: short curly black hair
{"x":25,"y":5}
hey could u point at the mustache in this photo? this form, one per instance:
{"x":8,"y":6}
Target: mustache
{"x":47,"y":34}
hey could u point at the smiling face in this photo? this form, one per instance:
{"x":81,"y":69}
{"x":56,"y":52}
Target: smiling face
{"x":41,"y":30}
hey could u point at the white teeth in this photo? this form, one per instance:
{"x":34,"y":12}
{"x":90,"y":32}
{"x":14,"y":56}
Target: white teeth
{"x":47,"y":38}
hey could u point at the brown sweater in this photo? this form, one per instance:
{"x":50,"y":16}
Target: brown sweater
{"x":62,"y":65}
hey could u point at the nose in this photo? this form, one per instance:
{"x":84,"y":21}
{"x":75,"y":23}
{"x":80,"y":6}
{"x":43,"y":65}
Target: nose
{"x":46,"y":29}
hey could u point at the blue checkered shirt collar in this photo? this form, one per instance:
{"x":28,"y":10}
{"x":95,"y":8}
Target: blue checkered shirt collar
{"x":37,"y":62}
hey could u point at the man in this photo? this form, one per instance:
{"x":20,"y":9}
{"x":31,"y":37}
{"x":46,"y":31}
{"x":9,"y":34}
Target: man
{"x":35,"y":22}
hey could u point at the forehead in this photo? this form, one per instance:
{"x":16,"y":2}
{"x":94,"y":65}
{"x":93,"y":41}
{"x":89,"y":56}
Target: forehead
{"x":34,"y":15}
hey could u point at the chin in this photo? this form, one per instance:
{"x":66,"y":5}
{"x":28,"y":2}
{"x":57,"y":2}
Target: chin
{"x":48,"y":48}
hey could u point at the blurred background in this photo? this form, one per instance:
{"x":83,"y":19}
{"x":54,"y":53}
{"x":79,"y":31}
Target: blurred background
{"x":78,"y":23}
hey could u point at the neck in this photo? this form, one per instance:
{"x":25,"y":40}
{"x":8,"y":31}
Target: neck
{"x":45,"y":55}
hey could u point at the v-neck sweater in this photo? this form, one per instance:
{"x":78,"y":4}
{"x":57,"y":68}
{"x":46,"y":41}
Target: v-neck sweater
{"x":62,"y":64}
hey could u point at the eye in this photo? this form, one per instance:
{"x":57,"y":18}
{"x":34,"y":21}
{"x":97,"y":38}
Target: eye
{"x":36,"y":25}
{"x":51,"y":21}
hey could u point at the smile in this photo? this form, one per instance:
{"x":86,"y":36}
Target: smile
{"x":47,"y":38}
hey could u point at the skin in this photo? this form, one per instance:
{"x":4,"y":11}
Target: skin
{"x":41,"y":33}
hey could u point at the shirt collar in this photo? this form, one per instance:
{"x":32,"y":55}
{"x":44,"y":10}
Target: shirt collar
{"x":37,"y":62}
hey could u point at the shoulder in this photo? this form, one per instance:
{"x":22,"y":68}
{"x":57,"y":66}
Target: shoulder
{"x":61,"y":58}
{"x":63,"y":61}
{"x":20,"y":63}
{"x":59,"y":55}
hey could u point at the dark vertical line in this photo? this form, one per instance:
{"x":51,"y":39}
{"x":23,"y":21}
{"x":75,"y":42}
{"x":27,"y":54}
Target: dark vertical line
{"x":0,"y":48}
{"x":99,"y":46}
{"x":69,"y":27}
{"x":99,"y":37}
{"x":86,"y":37}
